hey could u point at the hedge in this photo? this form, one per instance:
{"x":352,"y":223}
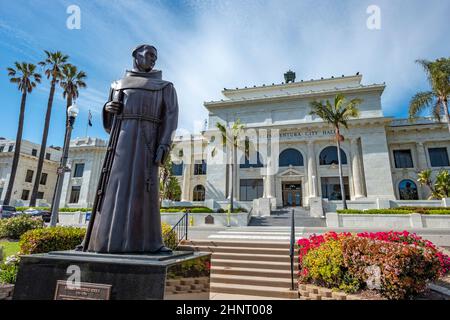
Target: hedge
{"x":398,"y":265}
{"x":67,"y":238}
{"x":60,"y":209}
{"x":51,"y":239}
{"x":15,"y":227}
{"x":430,"y":211}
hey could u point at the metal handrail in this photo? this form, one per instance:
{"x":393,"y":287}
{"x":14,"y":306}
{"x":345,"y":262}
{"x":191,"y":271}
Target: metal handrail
{"x":181,"y":228}
{"x":291,"y":248}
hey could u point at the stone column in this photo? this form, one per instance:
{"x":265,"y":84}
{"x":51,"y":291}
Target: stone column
{"x":188,"y":161}
{"x":356,"y":168}
{"x":422,"y":161}
{"x":312,"y":170}
{"x":185,"y":190}
{"x":421,"y":164}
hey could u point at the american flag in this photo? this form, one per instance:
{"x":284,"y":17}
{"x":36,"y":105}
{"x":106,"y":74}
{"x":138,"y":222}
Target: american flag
{"x":90,"y":118}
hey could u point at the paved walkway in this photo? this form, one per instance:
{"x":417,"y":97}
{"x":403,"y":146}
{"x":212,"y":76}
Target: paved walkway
{"x":227,"y":296}
{"x":440,"y":237}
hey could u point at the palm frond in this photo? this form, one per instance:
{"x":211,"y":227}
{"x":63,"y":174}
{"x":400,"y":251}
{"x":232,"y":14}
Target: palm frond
{"x":420,"y":102}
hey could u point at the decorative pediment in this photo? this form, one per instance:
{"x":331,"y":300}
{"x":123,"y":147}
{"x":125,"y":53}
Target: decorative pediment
{"x":290,"y":172}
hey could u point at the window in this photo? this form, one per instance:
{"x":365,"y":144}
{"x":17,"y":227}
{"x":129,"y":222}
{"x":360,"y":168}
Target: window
{"x":200,"y":168}
{"x":177,"y":168}
{"x":252,"y":162}
{"x":25,"y":194}
{"x":331,"y":188}
{"x":47,"y":156}
{"x":199,"y":193}
{"x":251,"y":189}
{"x":403,"y":159}
{"x":407,"y":190}
{"x":43,"y":179}
{"x":290,"y":157}
{"x":329,"y":156}
{"x":79,"y":169}
{"x":10,"y":148}
{"x":1,"y":191}
{"x":75,"y":194}
{"x":40,"y":195}
{"x":438,"y":157}
{"x":34,"y":152}
{"x":29,"y":176}
{"x":2,"y":148}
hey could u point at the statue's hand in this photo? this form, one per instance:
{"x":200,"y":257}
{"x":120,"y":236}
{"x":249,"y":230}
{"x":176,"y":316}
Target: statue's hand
{"x":114,"y":107}
{"x":161,"y":154}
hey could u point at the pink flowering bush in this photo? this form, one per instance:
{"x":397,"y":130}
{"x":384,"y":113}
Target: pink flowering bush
{"x":404,"y":262}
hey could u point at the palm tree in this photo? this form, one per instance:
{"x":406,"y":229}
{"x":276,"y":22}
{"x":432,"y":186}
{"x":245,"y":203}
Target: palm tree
{"x":26,"y":78}
{"x":53,"y":65}
{"x":337,"y":115}
{"x":71,"y":81}
{"x":438,"y":73}
{"x":230,"y":139}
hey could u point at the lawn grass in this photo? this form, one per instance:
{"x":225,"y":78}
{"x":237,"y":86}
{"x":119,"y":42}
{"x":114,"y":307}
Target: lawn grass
{"x":9,"y":248}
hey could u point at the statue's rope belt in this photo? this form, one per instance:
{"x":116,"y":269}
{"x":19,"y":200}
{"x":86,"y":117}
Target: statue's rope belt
{"x":139,"y":117}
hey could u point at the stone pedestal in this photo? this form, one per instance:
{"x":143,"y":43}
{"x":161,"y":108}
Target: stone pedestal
{"x":82,"y":275}
{"x":315,"y":207}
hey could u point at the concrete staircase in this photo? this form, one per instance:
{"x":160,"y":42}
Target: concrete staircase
{"x":249,"y":268}
{"x":282,"y":218}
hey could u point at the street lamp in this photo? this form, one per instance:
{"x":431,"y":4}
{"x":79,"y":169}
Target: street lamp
{"x":72,"y":113}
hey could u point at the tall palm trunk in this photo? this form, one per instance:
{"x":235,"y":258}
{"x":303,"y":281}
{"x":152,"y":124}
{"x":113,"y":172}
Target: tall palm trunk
{"x":341,"y":178}
{"x":43,"y":144}
{"x":15,"y":162}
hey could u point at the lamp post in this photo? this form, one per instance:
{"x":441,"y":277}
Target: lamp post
{"x":72,"y":113}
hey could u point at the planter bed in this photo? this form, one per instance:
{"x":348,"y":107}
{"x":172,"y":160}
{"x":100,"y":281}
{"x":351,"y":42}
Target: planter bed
{"x":393,"y":221}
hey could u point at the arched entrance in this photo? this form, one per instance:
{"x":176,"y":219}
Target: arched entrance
{"x":292,"y":194}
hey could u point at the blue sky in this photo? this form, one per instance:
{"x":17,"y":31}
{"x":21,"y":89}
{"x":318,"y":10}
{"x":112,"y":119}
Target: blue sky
{"x":205,"y":46}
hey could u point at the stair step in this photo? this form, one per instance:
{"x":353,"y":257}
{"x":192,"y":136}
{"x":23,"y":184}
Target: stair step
{"x":248,"y":244}
{"x":247,"y":250}
{"x":263,"y":291}
{"x":241,"y":271}
{"x":252,"y":264}
{"x":253,"y":257}
{"x":252,"y":280}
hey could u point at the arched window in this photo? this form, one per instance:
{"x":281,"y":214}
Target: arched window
{"x":252,"y":162}
{"x":290,"y":157}
{"x":199,"y":193}
{"x":329,"y":156}
{"x":177,"y":168}
{"x":408,"y":190}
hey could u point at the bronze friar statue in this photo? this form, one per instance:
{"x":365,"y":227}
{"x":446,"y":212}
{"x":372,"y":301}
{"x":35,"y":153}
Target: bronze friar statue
{"x":141,"y":117}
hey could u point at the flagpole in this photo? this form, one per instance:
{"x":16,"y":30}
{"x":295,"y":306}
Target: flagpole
{"x":88,"y":122}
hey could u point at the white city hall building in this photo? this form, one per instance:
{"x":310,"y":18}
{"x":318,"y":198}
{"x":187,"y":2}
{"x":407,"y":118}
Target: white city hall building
{"x":381,"y":156}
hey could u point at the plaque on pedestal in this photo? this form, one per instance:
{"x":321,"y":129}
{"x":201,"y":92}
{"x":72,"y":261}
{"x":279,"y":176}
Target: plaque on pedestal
{"x":72,"y":275}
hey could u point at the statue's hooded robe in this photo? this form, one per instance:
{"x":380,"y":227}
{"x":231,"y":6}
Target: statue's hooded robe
{"x":129,"y":219}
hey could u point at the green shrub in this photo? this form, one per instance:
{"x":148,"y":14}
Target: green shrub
{"x":325,"y":266}
{"x":15,"y":227}
{"x":403,"y":210}
{"x":201,"y":210}
{"x":51,"y":239}
{"x":173,"y":210}
{"x":184,"y":209}
{"x":9,"y":269}
{"x":404,"y":270}
{"x":60,"y":209}
{"x":170,"y":236}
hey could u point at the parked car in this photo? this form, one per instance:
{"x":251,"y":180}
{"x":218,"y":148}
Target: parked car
{"x":38,"y":213}
{"x":7,"y":211}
